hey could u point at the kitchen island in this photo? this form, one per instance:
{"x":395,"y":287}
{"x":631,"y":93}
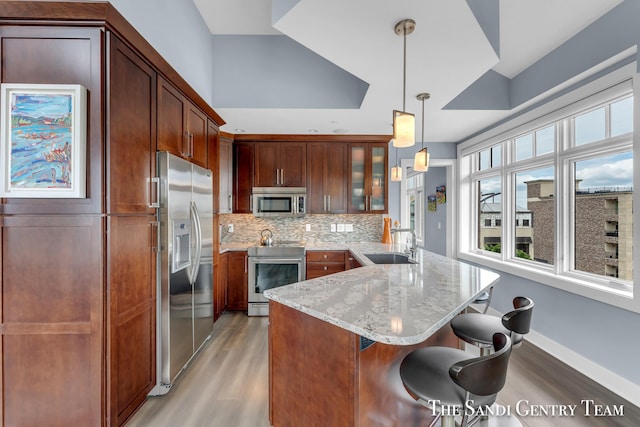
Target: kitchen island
{"x":335,"y":342}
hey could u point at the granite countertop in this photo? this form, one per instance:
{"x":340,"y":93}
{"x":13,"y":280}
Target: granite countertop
{"x":399,"y":304}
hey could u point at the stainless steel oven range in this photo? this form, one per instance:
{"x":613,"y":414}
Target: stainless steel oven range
{"x":271,"y":267}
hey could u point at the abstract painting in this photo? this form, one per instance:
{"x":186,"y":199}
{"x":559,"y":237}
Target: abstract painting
{"x":43,"y":141}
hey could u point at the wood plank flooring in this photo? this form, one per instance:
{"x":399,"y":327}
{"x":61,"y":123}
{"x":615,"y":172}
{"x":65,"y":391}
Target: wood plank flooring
{"x":227,"y":385}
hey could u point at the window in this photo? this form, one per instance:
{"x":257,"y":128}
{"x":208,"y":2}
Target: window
{"x":583,"y":239}
{"x":415,"y":206}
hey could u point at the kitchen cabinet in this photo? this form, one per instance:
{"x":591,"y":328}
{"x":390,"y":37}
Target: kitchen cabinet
{"x":182,"y":127}
{"x":237,"y":280}
{"x":79,"y":275}
{"x":132,"y":133}
{"x":327,"y":178}
{"x":243,"y":153}
{"x":368,"y":180}
{"x":280,"y":164}
{"x":213,"y":161}
{"x":322,"y":263}
{"x":131,"y":278}
{"x":220,"y":286}
{"x":226,"y":174}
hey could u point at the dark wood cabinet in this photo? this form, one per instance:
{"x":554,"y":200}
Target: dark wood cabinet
{"x":213,"y":160}
{"x":242,"y":176}
{"x":351,"y":261}
{"x":53,"y":347}
{"x":327,"y":178}
{"x":226,"y":174}
{"x":322,"y":263}
{"x":220,"y":287}
{"x":237,"y":280}
{"x":280,"y":164}
{"x":131,"y":278}
{"x":368,"y":178}
{"x":131,"y":86}
{"x":78,"y":276}
{"x":182,"y":127}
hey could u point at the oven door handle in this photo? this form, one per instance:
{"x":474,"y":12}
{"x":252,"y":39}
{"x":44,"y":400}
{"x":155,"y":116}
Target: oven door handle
{"x":261,"y":260}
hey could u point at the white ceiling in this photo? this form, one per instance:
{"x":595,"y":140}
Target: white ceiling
{"x":447,"y":52}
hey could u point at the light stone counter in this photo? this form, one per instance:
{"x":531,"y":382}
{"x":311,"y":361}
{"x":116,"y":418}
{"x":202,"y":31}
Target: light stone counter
{"x":400,"y":304}
{"x":238,"y":247}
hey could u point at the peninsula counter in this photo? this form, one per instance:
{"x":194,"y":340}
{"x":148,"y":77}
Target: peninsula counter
{"x":335,"y":342}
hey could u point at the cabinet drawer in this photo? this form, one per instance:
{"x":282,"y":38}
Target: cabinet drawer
{"x":319,"y":269}
{"x":325,"y":256}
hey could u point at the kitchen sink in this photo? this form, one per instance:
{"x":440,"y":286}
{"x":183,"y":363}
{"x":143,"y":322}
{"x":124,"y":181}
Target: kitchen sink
{"x":390,"y":258}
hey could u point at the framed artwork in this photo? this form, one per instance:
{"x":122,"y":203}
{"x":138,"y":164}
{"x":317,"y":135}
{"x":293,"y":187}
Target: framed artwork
{"x":441,"y":194}
{"x":432,"y":205}
{"x":43,"y":141}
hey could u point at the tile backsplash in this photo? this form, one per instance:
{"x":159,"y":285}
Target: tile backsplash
{"x":247,"y":228}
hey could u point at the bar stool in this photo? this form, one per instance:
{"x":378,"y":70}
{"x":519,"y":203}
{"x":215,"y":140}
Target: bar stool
{"x":478,"y":328}
{"x":449,"y":381}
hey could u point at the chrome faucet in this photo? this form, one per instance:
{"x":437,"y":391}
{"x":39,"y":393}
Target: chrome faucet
{"x":414,"y":241}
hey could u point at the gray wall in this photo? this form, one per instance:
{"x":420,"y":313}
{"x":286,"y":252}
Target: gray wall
{"x":435,"y":238}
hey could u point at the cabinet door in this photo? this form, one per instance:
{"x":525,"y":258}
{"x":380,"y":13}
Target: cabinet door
{"x":52,"y":325}
{"x":196,"y":134}
{"x":316,"y":161}
{"x":131,"y":131}
{"x":220,"y":291}
{"x":237,"y":281}
{"x":225,"y":175}
{"x":171,"y":119}
{"x":242,"y":176}
{"x":336,"y":175}
{"x":368,"y":179}
{"x":293,"y":164}
{"x":267,"y":164}
{"x":132,"y":326}
{"x":213,"y":161}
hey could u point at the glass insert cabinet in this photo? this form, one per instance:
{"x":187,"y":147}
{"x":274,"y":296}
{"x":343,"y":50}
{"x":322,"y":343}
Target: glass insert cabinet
{"x":368,"y":179}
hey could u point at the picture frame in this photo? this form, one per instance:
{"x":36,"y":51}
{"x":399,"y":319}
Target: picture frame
{"x":43,"y":140}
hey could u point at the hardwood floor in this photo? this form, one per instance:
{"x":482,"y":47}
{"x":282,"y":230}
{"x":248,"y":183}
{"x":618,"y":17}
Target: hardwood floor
{"x":227,"y":385}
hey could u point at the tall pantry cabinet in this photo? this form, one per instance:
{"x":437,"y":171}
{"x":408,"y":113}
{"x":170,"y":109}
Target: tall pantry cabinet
{"x":78,"y":276}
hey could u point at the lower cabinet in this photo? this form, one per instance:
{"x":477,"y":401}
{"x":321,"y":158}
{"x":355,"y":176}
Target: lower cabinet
{"x":53,"y":346}
{"x":131,"y":278}
{"x":322,"y":263}
{"x":237,"y":280}
{"x":220,"y":287}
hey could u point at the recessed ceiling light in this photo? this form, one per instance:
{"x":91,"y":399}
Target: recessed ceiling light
{"x":239,"y":130}
{"x":313,"y":130}
{"x":341,"y":131}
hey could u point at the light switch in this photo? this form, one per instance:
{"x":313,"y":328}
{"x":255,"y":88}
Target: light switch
{"x":340,"y":228}
{"x":333,"y":228}
{"x":348,"y":228}
{"x":308,"y":227}
{"x":230,"y":228}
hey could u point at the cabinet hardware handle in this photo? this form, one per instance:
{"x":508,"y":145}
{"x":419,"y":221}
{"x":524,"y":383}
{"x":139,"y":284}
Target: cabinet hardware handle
{"x":324,"y":202}
{"x":229,"y":202}
{"x":329,"y":202}
{"x":246,"y":264}
{"x":325,"y":256}
{"x":325,"y":267}
{"x":190,"y":145}
{"x":281,"y":176}
{"x":154,"y":202}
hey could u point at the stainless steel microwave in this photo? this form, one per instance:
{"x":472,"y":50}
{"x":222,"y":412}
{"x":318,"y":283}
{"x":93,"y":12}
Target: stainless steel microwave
{"x":279,"y":201}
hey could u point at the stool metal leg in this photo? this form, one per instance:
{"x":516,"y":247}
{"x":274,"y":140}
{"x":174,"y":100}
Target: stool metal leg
{"x":448,"y":421}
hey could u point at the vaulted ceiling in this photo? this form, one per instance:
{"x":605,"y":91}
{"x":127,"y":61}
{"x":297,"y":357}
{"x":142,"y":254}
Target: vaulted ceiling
{"x":336,"y":66}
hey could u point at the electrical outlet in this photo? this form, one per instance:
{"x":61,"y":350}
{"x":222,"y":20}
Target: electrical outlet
{"x":333,"y":228}
{"x":348,"y":228}
{"x":308,"y":227}
{"x":230,"y":228}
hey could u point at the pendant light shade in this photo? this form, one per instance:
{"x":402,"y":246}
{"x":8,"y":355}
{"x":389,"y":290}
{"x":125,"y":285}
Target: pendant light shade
{"x":396,"y":173}
{"x":404,"y":123}
{"x":404,"y":129}
{"x":421,"y":161}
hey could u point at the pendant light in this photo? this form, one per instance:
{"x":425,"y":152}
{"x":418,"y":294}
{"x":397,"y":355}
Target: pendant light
{"x":404,"y":124}
{"x":421,"y":161}
{"x":396,"y":171}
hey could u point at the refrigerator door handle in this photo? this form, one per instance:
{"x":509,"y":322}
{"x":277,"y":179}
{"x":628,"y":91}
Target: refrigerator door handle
{"x":195,"y":218}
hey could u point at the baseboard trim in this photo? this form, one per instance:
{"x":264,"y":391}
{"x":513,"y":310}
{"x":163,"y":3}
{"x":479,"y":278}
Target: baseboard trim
{"x":612,"y":381}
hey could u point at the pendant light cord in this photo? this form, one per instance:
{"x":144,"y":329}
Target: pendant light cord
{"x":404,"y":69}
{"x":423,"y":123}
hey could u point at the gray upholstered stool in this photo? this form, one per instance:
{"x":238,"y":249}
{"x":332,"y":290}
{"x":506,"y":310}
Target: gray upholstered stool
{"x":478,"y":329}
{"x":451,"y":380}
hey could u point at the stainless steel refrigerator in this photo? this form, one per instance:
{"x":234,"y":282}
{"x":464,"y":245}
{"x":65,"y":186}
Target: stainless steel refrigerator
{"x":185,"y":265}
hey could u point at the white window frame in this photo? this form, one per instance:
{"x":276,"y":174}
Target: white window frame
{"x":559,"y":275}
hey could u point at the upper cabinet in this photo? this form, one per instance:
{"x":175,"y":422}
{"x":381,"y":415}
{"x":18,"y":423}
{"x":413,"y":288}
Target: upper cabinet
{"x":132,"y":133}
{"x":242,"y":176}
{"x":368,"y":179}
{"x":327,"y":176}
{"x":182,"y":127}
{"x":226,"y":174}
{"x":280,"y":164}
